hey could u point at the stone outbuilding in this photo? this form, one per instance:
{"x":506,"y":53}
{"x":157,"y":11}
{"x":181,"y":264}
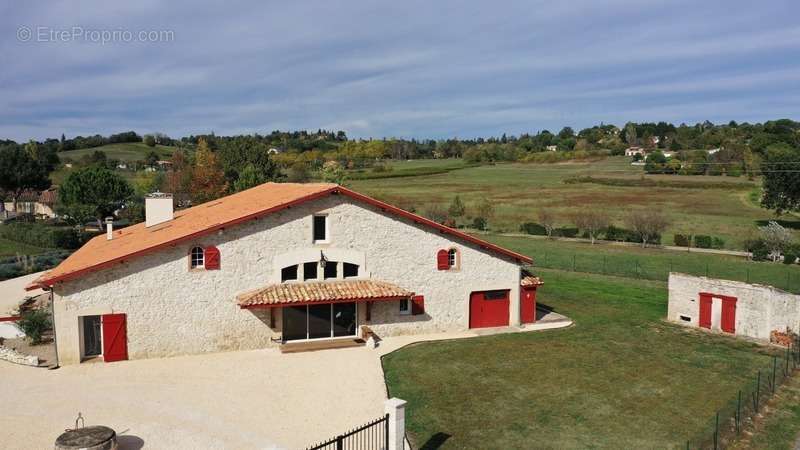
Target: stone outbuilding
{"x":278,"y":264}
{"x":752,"y":310}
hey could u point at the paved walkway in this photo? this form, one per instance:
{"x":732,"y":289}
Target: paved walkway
{"x":243,"y":400}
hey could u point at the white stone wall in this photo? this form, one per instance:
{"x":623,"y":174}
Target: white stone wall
{"x":172,"y":310}
{"x":759,"y":309}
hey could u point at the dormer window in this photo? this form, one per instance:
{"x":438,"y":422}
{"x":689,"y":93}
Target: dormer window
{"x":197,"y":258}
{"x":320,"y":229}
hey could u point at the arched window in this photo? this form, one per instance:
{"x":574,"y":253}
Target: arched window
{"x":197,"y":258}
{"x":452,"y":258}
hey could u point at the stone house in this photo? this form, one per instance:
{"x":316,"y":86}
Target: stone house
{"x":279,"y":264}
{"x":751,"y":310}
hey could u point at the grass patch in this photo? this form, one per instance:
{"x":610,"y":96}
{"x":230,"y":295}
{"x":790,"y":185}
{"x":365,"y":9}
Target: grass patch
{"x":126,"y":151}
{"x":13,"y":248}
{"x":411,"y":168}
{"x":647,"y":263}
{"x":519,"y":191}
{"x":781,"y":426}
{"x":620,"y":378}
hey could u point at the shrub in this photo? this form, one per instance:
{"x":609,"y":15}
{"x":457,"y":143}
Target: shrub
{"x":789,"y":258}
{"x":566,"y":232}
{"x":683,"y":240}
{"x":479,"y":223}
{"x":759,"y":249}
{"x":533,"y":228}
{"x":620,"y":234}
{"x":703,"y":241}
{"x":717,"y":243}
{"x":34,"y":323}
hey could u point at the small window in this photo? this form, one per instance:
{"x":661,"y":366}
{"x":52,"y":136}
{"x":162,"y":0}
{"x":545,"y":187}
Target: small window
{"x":197,"y":258}
{"x":452,"y":258}
{"x":405,"y":306}
{"x":289,"y":273}
{"x":350,"y":270}
{"x":310,"y":270}
{"x":686,"y":318}
{"x":331,"y":269}
{"x":320,"y":228}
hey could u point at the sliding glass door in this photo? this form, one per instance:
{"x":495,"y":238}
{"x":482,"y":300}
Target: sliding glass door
{"x":319,"y":321}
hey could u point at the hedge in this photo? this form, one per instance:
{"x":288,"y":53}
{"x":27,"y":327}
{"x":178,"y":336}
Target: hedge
{"x":683,"y":240}
{"x":533,"y":228}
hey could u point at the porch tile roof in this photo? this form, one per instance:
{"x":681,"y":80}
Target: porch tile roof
{"x":529,"y":279}
{"x":321,"y":291}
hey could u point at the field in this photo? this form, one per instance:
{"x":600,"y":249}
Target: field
{"x":619,"y":378}
{"x":653,"y":264}
{"x":128,"y":151}
{"x":718,"y":206}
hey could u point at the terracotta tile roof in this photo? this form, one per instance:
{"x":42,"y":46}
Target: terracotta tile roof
{"x":321,"y":291}
{"x":100,"y":253}
{"x":187,"y":224}
{"x":529,"y":279}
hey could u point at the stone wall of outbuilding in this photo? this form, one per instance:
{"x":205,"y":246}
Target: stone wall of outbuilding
{"x":172,"y":310}
{"x":759,"y":309}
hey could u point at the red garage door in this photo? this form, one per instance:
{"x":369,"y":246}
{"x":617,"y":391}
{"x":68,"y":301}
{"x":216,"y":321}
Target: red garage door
{"x":488,"y":309}
{"x":115,"y":338}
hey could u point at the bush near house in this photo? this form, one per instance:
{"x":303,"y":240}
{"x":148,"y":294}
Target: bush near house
{"x":34,"y":323}
{"x":704,"y":241}
{"x":566,"y":232}
{"x":789,"y":258}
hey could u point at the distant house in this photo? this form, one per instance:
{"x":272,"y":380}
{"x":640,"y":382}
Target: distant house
{"x":122,"y":166}
{"x":668,"y":154}
{"x":631,"y":151}
{"x":41,"y":204}
{"x":714,"y":150}
{"x":552,"y":148}
{"x":275,"y":150}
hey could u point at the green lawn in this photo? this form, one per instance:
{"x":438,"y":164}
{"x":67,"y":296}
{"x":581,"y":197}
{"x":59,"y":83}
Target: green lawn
{"x":410,"y":168}
{"x":650,"y":263}
{"x":619,"y":378}
{"x":780,"y":428}
{"x":718,"y":206}
{"x":12,"y":248}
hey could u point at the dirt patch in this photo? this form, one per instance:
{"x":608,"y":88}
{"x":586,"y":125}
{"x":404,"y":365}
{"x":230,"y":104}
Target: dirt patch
{"x":46,"y":351}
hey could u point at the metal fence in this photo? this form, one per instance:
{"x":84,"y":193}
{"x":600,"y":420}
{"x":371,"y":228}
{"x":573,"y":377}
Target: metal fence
{"x":371,"y":436}
{"x":730,"y":420}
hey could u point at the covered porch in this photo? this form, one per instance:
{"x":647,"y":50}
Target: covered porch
{"x":321,"y":314}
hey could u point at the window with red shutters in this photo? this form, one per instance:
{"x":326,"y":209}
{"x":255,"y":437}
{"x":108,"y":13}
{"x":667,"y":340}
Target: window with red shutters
{"x":442,"y":260}
{"x":417,"y":305}
{"x":212,"y":258}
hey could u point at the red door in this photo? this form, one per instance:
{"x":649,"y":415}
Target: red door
{"x":705,"y":311}
{"x":115,"y":338}
{"x":528,"y":302}
{"x":728,"y":322}
{"x":488,"y":309}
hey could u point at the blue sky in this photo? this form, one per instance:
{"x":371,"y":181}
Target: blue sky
{"x":404,"y":68}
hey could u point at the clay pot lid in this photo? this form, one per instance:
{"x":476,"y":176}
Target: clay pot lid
{"x":85,"y":437}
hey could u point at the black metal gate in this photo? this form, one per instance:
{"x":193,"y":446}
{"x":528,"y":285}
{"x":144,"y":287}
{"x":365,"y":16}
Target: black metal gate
{"x":371,"y":436}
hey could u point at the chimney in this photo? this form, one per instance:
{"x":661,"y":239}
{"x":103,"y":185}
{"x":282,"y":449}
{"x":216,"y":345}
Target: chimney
{"x":157,"y":209}
{"x":109,"y":228}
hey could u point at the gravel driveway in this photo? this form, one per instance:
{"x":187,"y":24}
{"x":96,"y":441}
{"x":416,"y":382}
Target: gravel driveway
{"x":244,"y":400}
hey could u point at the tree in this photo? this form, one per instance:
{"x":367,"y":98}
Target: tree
{"x":332,"y":172}
{"x":152,"y":159}
{"x":19,"y":172}
{"x":548,"y":221}
{"x":656,"y":162}
{"x":457,"y":208}
{"x":248,"y":178}
{"x":592,"y":222}
{"x":781,"y":183}
{"x":776,"y":238}
{"x":297,"y":172}
{"x":484,"y":209}
{"x":208,"y":180}
{"x":179,"y":179}
{"x":149,"y":140}
{"x":94,"y":191}
{"x":648,"y":225}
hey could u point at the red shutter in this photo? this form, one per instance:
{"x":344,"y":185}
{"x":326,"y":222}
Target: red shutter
{"x":115,"y":338}
{"x":728,"y":322}
{"x":417,"y":305}
{"x":705,"y":311}
{"x":211,"y":258}
{"x":442,"y":260}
